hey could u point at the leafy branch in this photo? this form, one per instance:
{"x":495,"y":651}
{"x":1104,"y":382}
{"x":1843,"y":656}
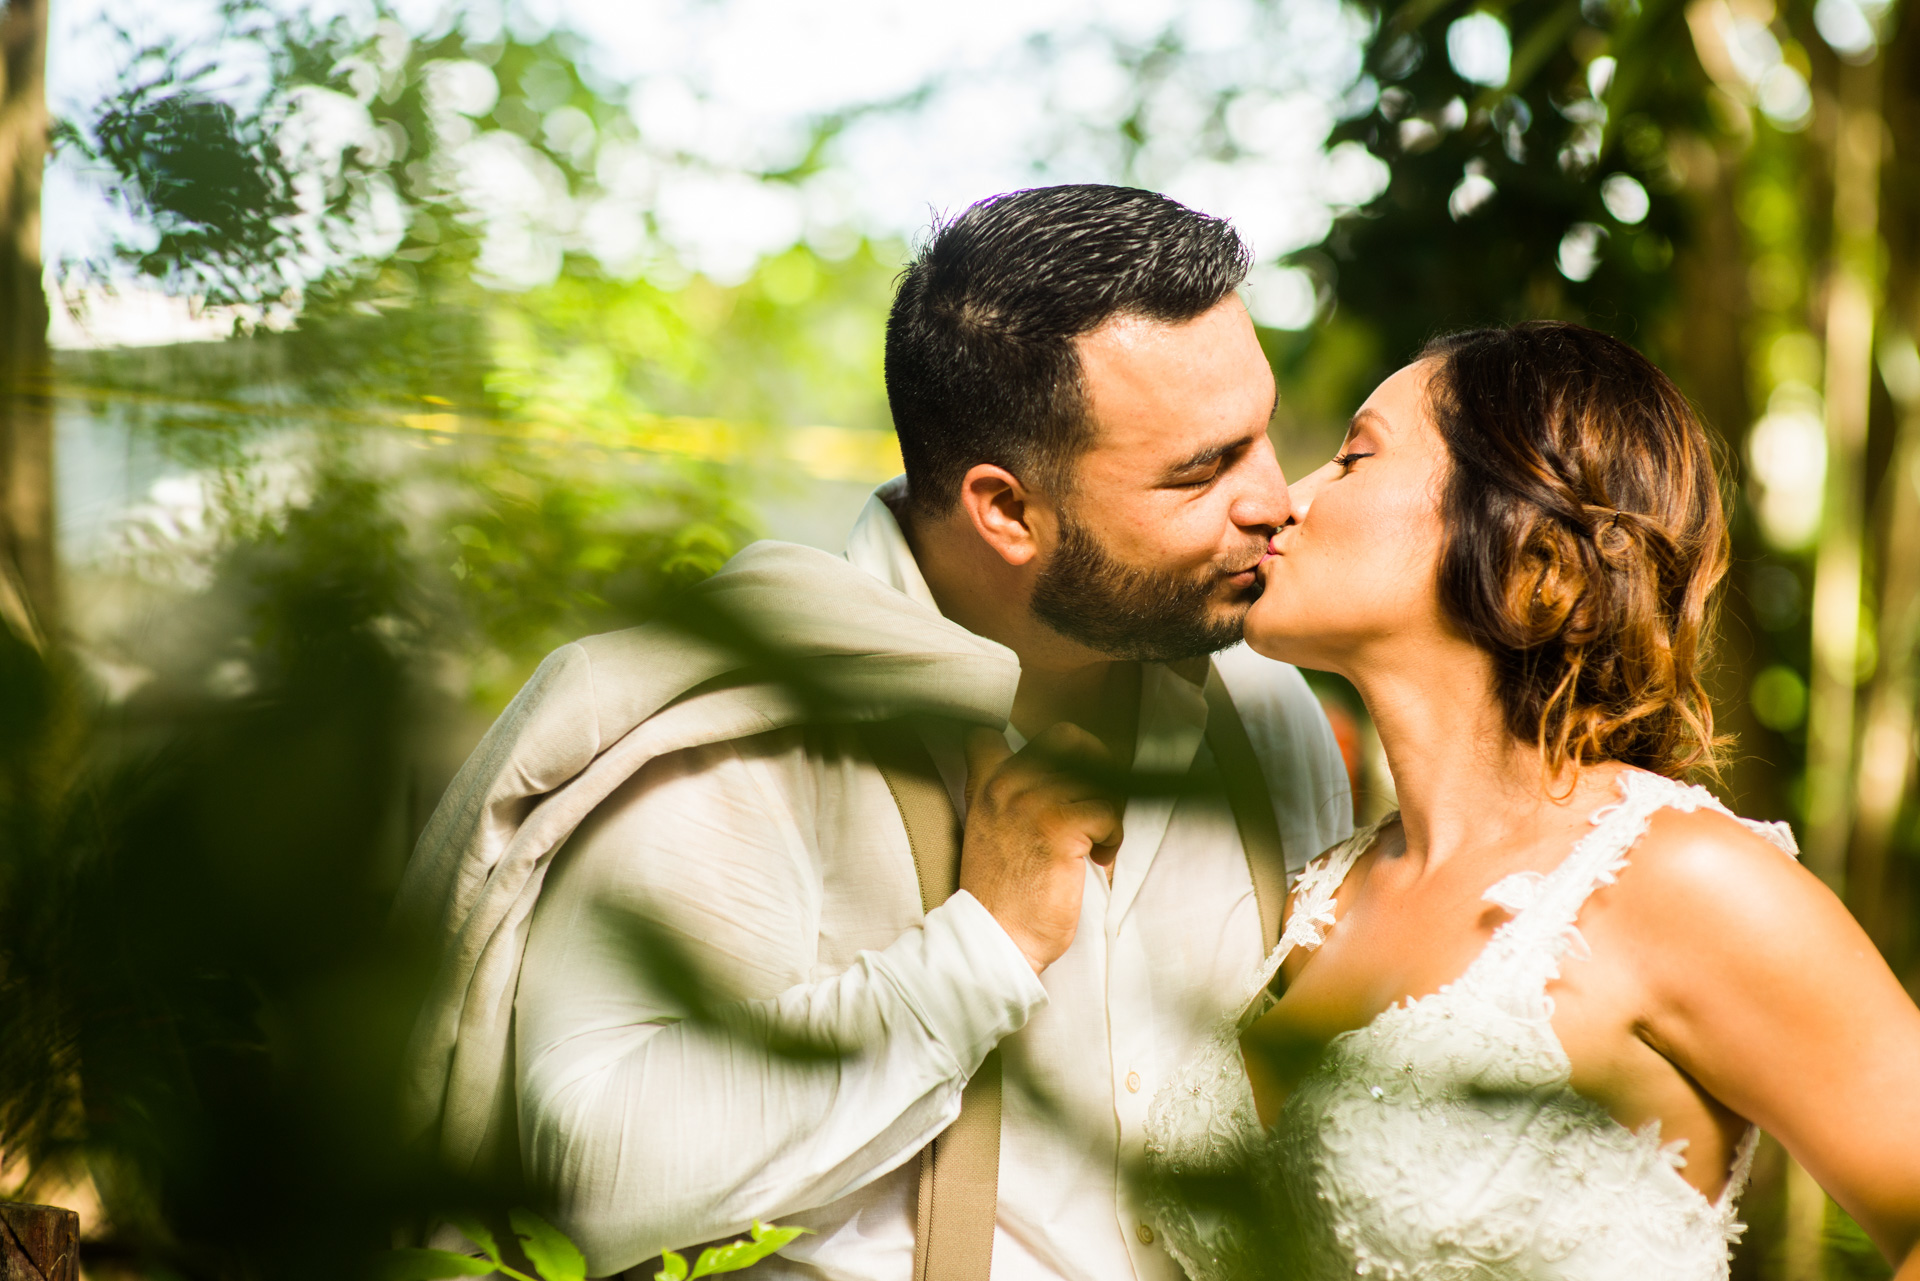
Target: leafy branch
{"x":762,"y":1241}
{"x":555,"y":1258}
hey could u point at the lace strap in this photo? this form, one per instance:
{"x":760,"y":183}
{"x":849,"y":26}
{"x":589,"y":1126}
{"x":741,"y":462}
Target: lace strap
{"x":1310,"y":907}
{"x":1741,"y":1172}
{"x":1523,"y":956}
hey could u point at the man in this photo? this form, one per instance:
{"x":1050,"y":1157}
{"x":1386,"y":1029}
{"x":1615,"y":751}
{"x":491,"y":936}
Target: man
{"x":1082,"y":410}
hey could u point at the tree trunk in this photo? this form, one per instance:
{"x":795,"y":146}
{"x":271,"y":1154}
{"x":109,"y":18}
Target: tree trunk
{"x":39,"y":1243}
{"x":1859,"y":138}
{"x":28,"y":582}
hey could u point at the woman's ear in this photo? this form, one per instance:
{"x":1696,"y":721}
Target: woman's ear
{"x":1003,"y":512}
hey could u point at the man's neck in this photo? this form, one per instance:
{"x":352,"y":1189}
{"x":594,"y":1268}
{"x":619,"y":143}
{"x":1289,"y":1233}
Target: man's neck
{"x":1101,"y":698}
{"x":1060,"y":679}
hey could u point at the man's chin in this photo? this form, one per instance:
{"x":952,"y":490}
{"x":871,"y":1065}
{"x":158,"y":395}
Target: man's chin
{"x":1137,"y":615}
{"x":1225,"y":627}
{"x":1229,"y":630}
{"x":1232,"y":601}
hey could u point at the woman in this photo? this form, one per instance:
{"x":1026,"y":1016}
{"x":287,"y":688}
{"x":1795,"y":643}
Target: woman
{"x":1530,"y":1022}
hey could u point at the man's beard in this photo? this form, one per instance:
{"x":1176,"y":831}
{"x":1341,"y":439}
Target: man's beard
{"x":1159,"y":616}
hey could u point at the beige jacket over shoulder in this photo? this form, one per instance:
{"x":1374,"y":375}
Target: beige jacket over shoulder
{"x":594,"y":714}
{"x":773,"y":853}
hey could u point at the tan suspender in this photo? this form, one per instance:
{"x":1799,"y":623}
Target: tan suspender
{"x":960,"y":1170}
{"x":1246,"y":788}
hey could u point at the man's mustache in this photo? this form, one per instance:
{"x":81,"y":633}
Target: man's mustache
{"x":1255,"y":554}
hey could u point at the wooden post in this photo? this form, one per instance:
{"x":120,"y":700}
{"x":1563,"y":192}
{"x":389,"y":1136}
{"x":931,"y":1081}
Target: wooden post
{"x":39,"y":1243}
{"x":28,"y":587}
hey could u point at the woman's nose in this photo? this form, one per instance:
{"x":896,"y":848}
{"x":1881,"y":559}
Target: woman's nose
{"x":1301,"y":495}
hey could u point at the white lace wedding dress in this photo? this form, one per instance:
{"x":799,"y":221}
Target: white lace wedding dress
{"x":1442,"y":1140}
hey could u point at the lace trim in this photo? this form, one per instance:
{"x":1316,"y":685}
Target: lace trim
{"x":1313,"y":894}
{"x":1310,"y":916}
{"x":1362,"y":1121}
{"x":1523,"y":956}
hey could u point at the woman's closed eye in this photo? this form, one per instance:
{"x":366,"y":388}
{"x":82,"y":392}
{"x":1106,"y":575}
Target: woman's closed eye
{"x":1346,"y":461}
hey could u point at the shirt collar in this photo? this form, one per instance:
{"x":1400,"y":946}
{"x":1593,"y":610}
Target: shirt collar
{"x":879,"y":546}
{"x":1173,"y":711}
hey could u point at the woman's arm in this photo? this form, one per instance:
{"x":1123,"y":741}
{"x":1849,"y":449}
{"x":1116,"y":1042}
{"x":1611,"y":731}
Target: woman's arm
{"x":1761,"y":986}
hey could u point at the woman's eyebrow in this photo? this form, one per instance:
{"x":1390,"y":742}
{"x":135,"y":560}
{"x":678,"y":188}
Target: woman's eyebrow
{"x":1365,"y":417}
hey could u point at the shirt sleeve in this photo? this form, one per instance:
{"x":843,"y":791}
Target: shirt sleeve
{"x":651,"y":1128}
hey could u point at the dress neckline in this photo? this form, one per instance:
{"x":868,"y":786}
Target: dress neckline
{"x":1594,"y":859}
{"x":1516,"y":892}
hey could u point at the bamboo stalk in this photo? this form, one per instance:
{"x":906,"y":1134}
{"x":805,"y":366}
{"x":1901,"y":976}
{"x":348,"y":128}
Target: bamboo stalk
{"x":1852,"y":301}
{"x":1887,"y":735}
{"x":1851,"y":305}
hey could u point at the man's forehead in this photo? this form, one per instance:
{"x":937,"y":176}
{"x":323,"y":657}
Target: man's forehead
{"x":1177,"y":389}
{"x":1127,"y":330}
{"x":1131,"y":335}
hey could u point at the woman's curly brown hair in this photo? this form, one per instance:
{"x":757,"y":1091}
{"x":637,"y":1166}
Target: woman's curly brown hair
{"x":1584,"y":539}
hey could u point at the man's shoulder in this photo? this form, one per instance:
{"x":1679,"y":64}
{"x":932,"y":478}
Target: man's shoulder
{"x":1270,"y":692}
{"x":1296,"y":748}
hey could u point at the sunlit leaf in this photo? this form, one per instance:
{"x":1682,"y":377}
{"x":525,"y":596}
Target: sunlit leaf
{"x":744,"y":1254}
{"x":672,"y":1267}
{"x":549,"y":1249}
{"x":776,"y":1238}
{"x":477,"y":1232}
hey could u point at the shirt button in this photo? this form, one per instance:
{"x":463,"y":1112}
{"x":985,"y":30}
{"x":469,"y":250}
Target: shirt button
{"x":1133,"y":1083}
{"x":1145,"y":1234}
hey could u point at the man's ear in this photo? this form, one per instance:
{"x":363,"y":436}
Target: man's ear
{"x":1008,"y":516}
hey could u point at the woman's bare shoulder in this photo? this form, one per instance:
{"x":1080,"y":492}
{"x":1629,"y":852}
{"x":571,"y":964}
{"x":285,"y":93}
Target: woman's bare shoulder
{"x":1702,"y":888}
{"x":1706,"y":854}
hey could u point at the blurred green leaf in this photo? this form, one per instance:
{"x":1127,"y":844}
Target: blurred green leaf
{"x":429,"y":1265}
{"x":744,"y":1254}
{"x":475,"y":1230}
{"x":549,"y":1249}
{"x":672,"y":1267}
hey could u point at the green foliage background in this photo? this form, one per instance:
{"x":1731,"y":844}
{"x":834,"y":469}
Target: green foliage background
{"x":413,"y":479}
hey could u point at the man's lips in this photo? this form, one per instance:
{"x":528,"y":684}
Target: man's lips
{"x":1259,"y":571}
{"x":1248,"y":575}
{"x":1266,"y":554}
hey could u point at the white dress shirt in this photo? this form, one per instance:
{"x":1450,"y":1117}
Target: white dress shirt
{"x":776,"y":863}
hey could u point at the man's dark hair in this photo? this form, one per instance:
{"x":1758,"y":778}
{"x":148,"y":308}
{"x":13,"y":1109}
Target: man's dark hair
{"x":981,"y":366}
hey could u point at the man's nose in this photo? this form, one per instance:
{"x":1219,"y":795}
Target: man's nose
{"x":1265,"y":502}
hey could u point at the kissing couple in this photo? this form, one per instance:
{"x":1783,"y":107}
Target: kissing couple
{"x":1018,"y":859}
